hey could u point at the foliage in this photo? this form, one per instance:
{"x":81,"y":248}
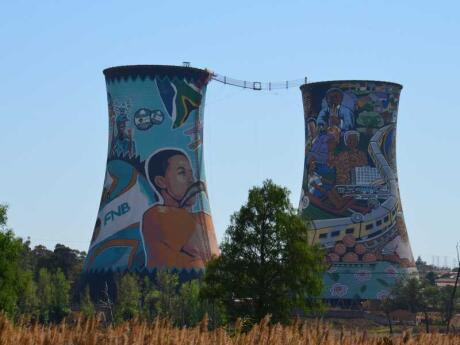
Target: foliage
{"x":3,"y":216}
{"x":53,"y":296}
{"x":444,"y":297}
{"x":86,"y":304}
{"x":191,"y":310}
{"x":431,"y":277}
{"x":69,"y":261}
{"x":423,"y":267}
{"x":266,"y":265}
{"x":166,"y":285}
{"x":60,"y":299}
{"x":408,"y":294}
{"x":44,"y":294}
{"x":182,"y":304}
{"x":10,"y":271}
{"x":28,"y":302}
{"x":417,"y":295}
{"x":128,"y":303}
{"x":10,"y":251}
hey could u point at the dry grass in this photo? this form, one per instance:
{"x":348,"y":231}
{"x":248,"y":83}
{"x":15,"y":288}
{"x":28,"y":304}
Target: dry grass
{"x":161,"y":332}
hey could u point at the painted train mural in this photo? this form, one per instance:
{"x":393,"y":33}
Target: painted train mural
{"x":154,"y":211}
{"x":350,"y":186}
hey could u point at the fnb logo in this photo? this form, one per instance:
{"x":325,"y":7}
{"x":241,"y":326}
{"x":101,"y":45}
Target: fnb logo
{"x":122,"y":209}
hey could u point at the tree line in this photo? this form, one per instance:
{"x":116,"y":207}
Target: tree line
{"x":266,"y":266}
{"x":36,"y":282}
{"x":422,"y":295}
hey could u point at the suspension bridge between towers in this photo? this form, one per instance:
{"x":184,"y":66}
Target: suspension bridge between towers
{"x":254,"y":85}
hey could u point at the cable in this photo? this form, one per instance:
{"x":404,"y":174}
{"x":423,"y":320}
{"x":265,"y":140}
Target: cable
{"x":257,"y":85}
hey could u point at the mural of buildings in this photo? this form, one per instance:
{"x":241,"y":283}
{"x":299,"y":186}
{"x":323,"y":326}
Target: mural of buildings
{"x":154,"y":211}
{"x":350,"y":189}
{"x":365,"y":175}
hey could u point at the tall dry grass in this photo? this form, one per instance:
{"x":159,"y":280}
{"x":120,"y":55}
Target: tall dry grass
{"x":161,"y":332}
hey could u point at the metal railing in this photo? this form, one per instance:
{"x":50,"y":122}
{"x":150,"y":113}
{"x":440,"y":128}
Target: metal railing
{"x":257,"y":85}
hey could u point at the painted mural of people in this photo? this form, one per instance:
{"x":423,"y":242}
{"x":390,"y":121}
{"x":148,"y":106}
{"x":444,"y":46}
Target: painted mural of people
{"x":349,"y":159}
{"x":311,"y":132}
{"x":325,"y":145}
{"x":336,"y":111}
{"x":122,"y":142}
{"x":174,"y":236}
{"x":327,"y":169}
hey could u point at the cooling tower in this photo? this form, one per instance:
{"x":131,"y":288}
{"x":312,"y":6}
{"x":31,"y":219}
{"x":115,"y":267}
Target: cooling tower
{"x":154,"y":211}
{"x":350,"y":189}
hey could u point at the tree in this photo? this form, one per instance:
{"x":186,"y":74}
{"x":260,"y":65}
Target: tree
{"x":53,"y":296}
{"x":86,"y":305}
{"x":445,"y":304}
{"x":68,"y":261}
{"x":166,"y":292}
{"x":266,"y":265}
{"x":3,"y":216}
{"x":45,"y":295}
{"x":431,"y":277}
{"x":127,"y":305}
{"x":190,"y":308}
{"x":28,"y":302}
{"x":387,"y":307}
{"x":430,"y":296}
{"x":181,"y":304}
{"x":60,"y":296}
{"x":149,"y":299}
{"x":416,"y":296}
{"x":11,"y":249}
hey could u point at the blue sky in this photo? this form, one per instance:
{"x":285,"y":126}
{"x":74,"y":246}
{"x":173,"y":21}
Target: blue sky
{"x":53,"y":107}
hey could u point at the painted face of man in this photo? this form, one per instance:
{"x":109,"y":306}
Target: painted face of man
{"x":121,"y":127}
{"x":334,"y":98}
{"x":177,"y":179}
{"x":352,"y":141}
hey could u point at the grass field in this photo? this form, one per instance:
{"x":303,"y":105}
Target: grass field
{"x":161,"y":332}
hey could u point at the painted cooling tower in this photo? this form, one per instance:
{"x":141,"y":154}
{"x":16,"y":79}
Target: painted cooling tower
{"x":350,"y":186}
{"x":154,"y":212}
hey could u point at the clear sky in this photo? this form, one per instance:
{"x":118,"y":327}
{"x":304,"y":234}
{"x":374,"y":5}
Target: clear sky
{"x":53,"y":109}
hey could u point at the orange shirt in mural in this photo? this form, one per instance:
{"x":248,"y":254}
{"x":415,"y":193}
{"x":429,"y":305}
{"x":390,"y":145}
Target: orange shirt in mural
{"x":176,"y":238}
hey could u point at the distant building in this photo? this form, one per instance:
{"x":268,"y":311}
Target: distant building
{"x":364,"y":176}
{"x":441,"y":282}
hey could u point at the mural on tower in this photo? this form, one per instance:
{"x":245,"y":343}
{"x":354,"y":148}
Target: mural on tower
{"x":350,"y":186}
{"x":154,"y":211}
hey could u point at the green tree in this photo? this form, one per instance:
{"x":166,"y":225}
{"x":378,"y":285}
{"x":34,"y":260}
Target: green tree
{"x":416,"y":296}
{"x":430,"y":295}
{"x":127,"y":305}
{"x":69,"y":261}
{"x":190,"y":308}
{"x":11,"y":249}
{"x":60,"y":296}
{"x":166,"y":286}
{"x":387,"y":307}
{"x":407,"y":294}
{"x":45,"y":295}
{"x":3,"y":216}
{"x":28,"y":302}
{"x":431,"y":277}
{"x":444,"y":300}
{"x":266,"y":265}
{"x":86,"y":305}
